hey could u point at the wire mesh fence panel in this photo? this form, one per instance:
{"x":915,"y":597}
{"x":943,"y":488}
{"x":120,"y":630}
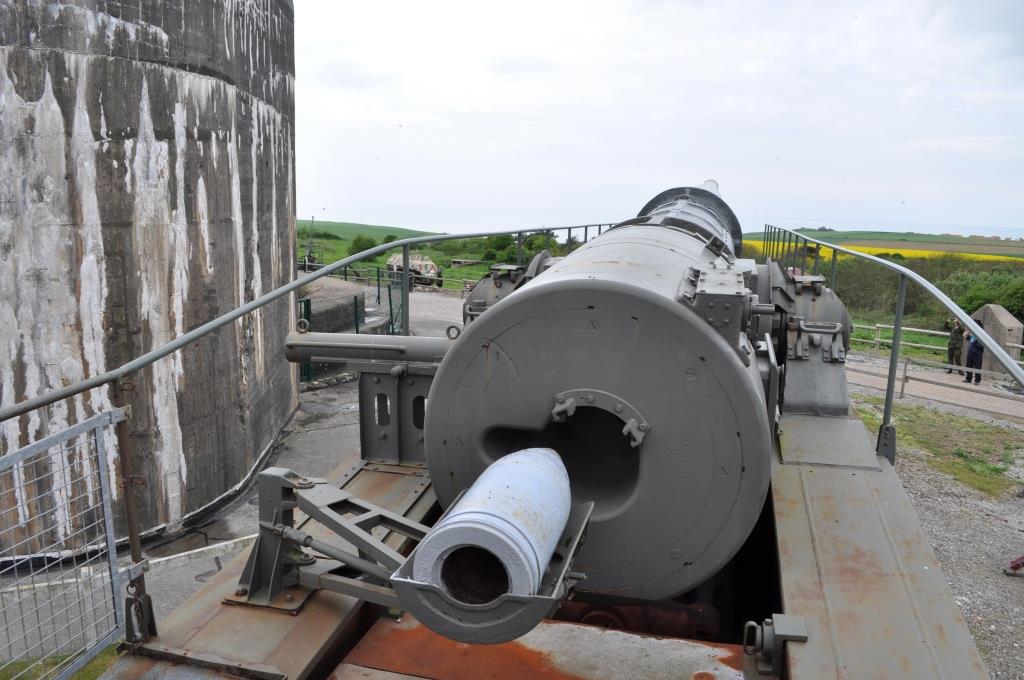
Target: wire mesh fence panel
{"x":58,"y":566}
{"x":394,"y":309}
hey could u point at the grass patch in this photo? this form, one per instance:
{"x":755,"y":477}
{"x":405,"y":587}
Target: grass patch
{"x":976,"y":453}
{"x":92,"y":670}
{"x":871,"y":317}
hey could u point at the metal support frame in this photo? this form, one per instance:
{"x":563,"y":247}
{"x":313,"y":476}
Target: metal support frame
{"x":765,"y":640}
{"x":273,"y":575}
{"x":778,"y":249}
{"x":139,"y":619}
{"x":406,"y":282}
{"x":519,"y":248}
{"x":392,"y":409}
{"x":886,"y":445}
{"x":305,"y":315}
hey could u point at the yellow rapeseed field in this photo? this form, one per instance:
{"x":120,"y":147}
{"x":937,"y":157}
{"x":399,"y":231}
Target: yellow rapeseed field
{"x":906,"y":252}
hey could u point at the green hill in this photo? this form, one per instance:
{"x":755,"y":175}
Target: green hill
{"x":332,"y":240}
{"x":349,"y":230}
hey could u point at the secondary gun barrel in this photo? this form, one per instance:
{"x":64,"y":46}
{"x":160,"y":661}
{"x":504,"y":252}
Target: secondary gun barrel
{"x":343,"y":347}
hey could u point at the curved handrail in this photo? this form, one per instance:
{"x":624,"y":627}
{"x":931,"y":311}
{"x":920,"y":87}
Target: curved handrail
{"x":1007,"y":362}
{"x":52,"y":396}
{"x":205,"y":329}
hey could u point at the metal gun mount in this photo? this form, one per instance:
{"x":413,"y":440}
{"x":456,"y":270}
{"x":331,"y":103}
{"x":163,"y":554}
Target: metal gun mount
{"x":283,"y":571}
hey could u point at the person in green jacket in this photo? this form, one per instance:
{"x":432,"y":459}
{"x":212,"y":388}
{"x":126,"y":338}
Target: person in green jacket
{"x":955,"y":346}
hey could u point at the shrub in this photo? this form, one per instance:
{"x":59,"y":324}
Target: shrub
{"x":361,"y":243}
{"x":1012,"y":297}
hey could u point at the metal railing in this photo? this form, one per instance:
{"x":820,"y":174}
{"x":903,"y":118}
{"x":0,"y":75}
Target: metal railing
{"x":780,"y":244}
{"x":792,"y":250}
{"x":379,"y":276}
{"x":406,"y":245}
{"x":60,"y":606}
{"x":48,"y":624}
{"x":878,"y":340}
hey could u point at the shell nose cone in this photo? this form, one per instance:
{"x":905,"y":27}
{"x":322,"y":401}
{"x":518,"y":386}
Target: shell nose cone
{"x":500,"y":536}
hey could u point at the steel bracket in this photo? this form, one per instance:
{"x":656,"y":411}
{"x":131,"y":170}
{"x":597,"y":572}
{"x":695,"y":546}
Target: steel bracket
{"x":139,"y":621}
{"x":133,"y":571}
{"x":634,"y":424}
{"x":274,"y":575}
{"x":887,"y":443}
{"x":766,"y":640}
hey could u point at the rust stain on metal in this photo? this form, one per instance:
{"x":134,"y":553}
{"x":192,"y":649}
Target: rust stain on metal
{"x":733,"y":657}
{"x":392,"y":648}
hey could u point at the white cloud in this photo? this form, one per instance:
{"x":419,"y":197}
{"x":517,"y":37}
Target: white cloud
{"x":462,"y":115}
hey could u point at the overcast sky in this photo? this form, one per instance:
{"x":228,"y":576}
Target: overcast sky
{"x":452,"y":116}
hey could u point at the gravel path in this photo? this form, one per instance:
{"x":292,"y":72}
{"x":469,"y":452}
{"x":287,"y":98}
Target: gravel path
{"x":873,"y":371}
{"x":431,"y":312}
{"x":974,"y":538}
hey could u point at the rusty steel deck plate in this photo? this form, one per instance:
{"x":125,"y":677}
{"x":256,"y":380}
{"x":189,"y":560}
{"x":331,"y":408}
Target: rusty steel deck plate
{"x":556,"y":650}
{"x":262,"y":642}
{"x":826,"y":441}
{"x":145,"y":668}
{"x":856,"y":564}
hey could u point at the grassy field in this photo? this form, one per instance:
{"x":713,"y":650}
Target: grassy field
{"x":976,"y":453}
{"x":924,"y":241}
{"x":332,"y":242}
{"x":910,"y":244}
{"x":349,"y":230}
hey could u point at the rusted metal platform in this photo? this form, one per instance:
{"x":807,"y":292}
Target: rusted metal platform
{"x":557,"y":650}
{"x":266,"y":643}
{"x":855,"y":563}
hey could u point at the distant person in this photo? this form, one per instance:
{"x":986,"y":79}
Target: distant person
{"x":954,"y":348}
{"x":975,"y":351}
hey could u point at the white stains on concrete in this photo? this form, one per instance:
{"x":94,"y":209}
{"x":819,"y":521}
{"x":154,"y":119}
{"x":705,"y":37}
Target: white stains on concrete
{"x":38,"y":312}
{"x":92,"y":276}
{"x":103,"y":30}
{"x":203,"y":219}
{"x":275,"y":247}
{"x":11,"y":112}
{"x":161,"y":289}
{"x":53,"y":270}
{"x":236,"y":205}
{"x":256,"y":282}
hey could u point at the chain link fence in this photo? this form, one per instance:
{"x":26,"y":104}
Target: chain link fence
{"x":59,"y":595}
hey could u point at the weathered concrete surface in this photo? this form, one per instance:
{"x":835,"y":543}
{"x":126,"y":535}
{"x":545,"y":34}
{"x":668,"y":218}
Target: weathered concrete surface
{"x":147,"y":165}
{"x":334,"y":304}
{"x":1004,"y":329}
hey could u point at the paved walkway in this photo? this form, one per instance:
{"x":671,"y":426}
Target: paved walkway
{"x":952,"y":390}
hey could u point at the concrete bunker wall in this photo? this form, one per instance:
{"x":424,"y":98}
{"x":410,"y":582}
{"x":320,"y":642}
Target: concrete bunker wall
{"x":1004,"y":329}
{"x":147,"y":157}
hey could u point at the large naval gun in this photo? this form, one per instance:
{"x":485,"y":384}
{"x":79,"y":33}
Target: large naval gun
{"x":637,"y":460}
